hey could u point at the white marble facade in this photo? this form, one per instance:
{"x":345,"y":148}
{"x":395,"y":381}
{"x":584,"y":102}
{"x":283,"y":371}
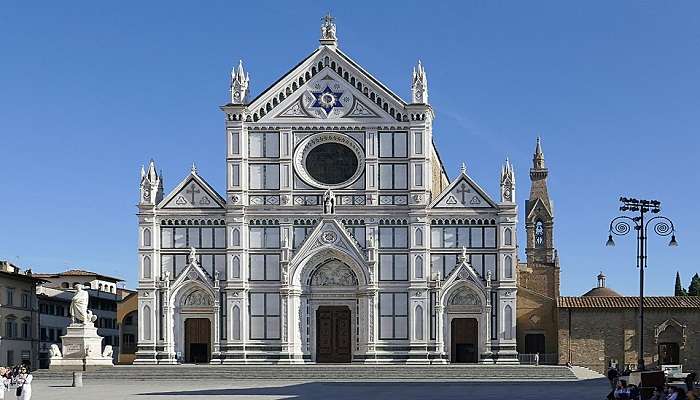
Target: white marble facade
{"x":335,"y":197}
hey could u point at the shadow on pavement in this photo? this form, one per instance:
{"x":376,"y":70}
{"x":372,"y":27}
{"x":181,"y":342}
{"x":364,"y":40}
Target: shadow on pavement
{"x":583,"y":390}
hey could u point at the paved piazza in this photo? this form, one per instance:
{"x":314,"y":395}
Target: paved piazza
{"x":204,"y":389}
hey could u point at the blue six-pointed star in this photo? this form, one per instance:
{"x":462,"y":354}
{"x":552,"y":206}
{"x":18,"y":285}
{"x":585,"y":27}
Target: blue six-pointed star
{"x":327,"y":99}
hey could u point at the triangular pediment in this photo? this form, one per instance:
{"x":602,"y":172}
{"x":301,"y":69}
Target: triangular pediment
{"x":329,"y":234}
{"x":538,"y":209}
{"x":193,"y":192}
{"x":193,"y":273}
{"x":328,"y":85}
{"x":464,"y":272}
{"x":463,"y":192}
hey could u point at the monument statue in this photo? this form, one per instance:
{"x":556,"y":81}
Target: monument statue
{"x":78,"y":306}
{"x":81,"y":344}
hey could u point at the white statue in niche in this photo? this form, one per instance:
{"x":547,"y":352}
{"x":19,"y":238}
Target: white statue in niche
{"x":328,"y":202}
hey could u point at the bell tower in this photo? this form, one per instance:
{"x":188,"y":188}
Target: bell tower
{"x":539,"y":214}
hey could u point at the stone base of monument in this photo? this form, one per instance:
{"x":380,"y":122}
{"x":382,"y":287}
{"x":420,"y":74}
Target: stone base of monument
{"x":82,"y":350}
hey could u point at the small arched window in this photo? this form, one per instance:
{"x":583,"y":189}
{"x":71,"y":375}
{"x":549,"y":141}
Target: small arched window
{"x":508,"y":266}
{"x":539,"y":234}
{"x":508,"y":237}
{"x":508,"y":323}
{"x":236,"y":267}
{"x":419,"y":237}
{"x":236,"y":323}
{"x":146,"y":323}
{"x":418,"y":323}
{"x":419,"y":267}
{"x":147,"y":267}
{"x":235,"y":237}
{"x":146,"y":237}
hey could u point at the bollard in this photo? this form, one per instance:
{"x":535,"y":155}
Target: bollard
{"x":77,"y":379}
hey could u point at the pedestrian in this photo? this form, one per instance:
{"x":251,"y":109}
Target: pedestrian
{"x":658,"y":394}
{"x":613,"y":377}
{"x":690,"y":381}
{"x":537,"y":358}
{"x":24,"y":384}
{"x":4,"y":382}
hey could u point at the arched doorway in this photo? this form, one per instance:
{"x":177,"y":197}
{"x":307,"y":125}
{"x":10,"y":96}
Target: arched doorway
{"x":197,"y":340}
{"x":465,"y":324}
{"x":332,"y":297}
{"x":465,"y":340}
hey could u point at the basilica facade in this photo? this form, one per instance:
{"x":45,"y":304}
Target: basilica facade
{"x":338,"y":238}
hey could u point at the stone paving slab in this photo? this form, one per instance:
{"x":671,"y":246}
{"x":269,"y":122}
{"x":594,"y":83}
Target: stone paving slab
{"x":267,"y":390}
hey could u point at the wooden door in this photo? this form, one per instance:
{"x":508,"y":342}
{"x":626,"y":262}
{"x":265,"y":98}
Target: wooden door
{"x":668,"y":353}
{"x":197,"y":340}
{"x":465,"y":340}
{"x":333,"y":338}
{"x":534,"y":343}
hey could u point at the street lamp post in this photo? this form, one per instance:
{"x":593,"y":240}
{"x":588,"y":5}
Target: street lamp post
{"x":621,"y":226}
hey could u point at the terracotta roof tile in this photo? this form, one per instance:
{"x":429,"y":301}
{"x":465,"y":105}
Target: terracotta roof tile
{"x":628,"y":302}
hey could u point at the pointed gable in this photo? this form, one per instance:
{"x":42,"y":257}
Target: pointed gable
{"x":538,"y":209}
{"x":193,"y":192}
{"x":464,"y":272}
{"x":463,"y":192}
{"x":193,"y":273}
{"x":329,"y":233}
{"x":328,"y":85}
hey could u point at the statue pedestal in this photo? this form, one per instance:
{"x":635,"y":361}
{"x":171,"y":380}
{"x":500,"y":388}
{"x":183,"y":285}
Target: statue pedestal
{"x":82,"y":348}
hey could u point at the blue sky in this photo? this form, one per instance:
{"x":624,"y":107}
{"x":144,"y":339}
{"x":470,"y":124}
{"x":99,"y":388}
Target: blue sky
{"x":92,"y":90}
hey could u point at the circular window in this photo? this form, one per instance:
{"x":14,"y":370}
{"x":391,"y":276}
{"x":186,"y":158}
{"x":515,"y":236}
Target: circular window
{"x":331,"y":163}
{"x":329,"y":160}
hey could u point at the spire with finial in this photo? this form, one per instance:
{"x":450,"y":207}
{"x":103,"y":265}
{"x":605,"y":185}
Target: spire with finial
{"x":194,"y":168}
{"x":419,"y":85}
{"x":240,"y":81}
{"x":328,"y":36}
{"x":463,"y":169}
{"x":507,"y":182}
{"x":538,"y":159}
{"x":151,"y":185}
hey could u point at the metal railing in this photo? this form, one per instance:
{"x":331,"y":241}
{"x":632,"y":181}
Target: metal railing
{"x":544,"y":359}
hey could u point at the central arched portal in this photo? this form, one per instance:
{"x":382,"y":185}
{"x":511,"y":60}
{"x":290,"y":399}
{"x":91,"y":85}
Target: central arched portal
{"x":331,"y":293}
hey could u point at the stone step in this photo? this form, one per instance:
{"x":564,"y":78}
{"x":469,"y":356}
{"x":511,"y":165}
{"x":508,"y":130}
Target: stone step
{"x":320,"y":372}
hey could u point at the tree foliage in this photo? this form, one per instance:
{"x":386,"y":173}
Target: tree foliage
{"x":679,"y":291}
{"x":694,"y":288}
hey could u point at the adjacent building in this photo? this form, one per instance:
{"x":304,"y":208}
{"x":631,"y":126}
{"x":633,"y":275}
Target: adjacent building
{"x":127,"y":320}
{"x":599,"y":329}
{"x":19,"y":313}
{"x":339,"y":236}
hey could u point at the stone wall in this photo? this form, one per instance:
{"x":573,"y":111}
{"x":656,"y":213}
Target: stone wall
{"x":536,"y":314}
{"x":593,"y":337}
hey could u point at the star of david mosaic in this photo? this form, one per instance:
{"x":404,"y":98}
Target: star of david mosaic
{"x":327,"y":99}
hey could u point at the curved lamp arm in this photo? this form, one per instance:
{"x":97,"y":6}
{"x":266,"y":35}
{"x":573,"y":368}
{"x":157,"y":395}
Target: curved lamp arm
{"x":662,"y":227}
{"x":620,"y":227}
